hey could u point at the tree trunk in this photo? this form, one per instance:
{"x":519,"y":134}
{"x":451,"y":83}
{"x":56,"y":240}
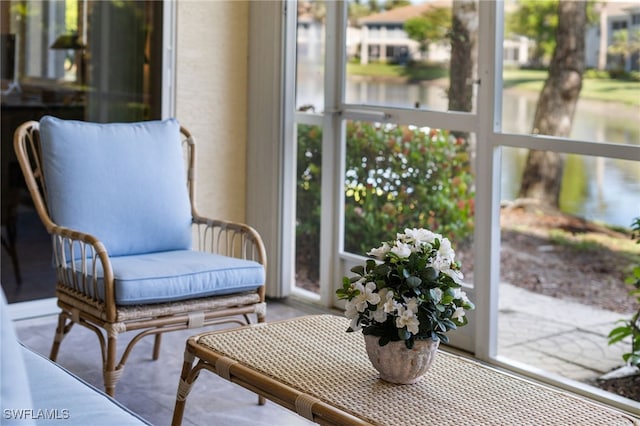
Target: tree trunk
{"x":464,"y":36}
{"x":542,"y":176}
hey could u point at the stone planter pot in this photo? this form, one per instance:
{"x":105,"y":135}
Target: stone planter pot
{"x":396,"y":363}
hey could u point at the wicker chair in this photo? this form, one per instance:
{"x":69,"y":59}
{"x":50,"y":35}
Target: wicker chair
{"x":130,"y":250}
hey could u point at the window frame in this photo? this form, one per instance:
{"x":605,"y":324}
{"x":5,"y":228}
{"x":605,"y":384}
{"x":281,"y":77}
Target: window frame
{"x":486,"y":124}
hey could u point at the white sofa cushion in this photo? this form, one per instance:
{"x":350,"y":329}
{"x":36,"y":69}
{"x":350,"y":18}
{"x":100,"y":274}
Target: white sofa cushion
{"x":15,"y":394}
{"x":61,"y":398}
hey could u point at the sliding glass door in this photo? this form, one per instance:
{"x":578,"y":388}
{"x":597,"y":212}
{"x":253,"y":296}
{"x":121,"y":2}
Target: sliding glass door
{"x":76,"y":59}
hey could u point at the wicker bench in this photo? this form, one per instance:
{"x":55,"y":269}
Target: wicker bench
{"x":312,"y":366}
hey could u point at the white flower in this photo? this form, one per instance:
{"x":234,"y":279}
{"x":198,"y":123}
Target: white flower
{"x":446,"y":251}
{"x":458,"y":293}
{"x":411,"y":304}
{"x":401,"y":250}
{"x":456,"y":274}
{"x":406,"y":318}
{"x":355,"y":324}
{"x":443,"y":264}
{"x":420,"y":235}
{"x":366,"y":296}
{"x":380,"y":252}
{"x":458,"y":314}
{"x":379,"y":315}
{"x":389,"y":305}
{"x":351,"y":312}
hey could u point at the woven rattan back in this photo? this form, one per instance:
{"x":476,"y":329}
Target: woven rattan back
{"x":26,"y":142}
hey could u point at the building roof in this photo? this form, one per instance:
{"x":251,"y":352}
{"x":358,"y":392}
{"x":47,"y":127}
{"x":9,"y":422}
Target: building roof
{"x":400,"y":14}
{"x":617,"y":8}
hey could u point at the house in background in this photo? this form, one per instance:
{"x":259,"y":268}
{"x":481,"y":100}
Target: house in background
{"x":383,"y":39}
{"x":614,"y":17}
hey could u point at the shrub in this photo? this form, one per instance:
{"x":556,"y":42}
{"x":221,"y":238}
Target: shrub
{"x":309,"y":163}
{"x":593,"y":73}
{"x":396,"y":177}
{"x":631,"y":327}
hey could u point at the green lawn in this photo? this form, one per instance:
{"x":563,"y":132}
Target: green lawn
{"x":601,"y":89}
{"x":416,"y":72}
{"x":627,"y":92}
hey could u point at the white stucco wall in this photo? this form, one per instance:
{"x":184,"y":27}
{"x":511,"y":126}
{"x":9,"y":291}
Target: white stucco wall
{"x":211,"y":99}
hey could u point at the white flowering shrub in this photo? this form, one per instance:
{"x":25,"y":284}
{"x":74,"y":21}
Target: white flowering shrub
{"x":410,"y":290}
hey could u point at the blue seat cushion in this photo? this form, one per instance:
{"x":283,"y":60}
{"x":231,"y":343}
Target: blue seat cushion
{"x":180,"y":274}
{"x":124,"y":183}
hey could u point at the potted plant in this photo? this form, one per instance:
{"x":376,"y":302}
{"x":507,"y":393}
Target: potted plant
{"x":407,"y":297}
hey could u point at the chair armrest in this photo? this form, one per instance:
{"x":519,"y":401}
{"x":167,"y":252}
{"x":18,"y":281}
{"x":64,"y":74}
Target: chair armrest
{"x":230,"y":239}
{"x":81,"y":260}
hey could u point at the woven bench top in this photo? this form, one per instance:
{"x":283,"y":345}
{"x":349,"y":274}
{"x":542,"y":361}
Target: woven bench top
{"x":315,"y":355}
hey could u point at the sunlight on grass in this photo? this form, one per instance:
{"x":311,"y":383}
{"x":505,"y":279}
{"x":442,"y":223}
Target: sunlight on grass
{"x":595,"y":241}
{"x":415,"y":72}
{"x":375,"y":70}
{"x":627,"y":92}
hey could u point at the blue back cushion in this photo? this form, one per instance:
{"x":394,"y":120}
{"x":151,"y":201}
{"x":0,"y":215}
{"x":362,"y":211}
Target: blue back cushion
{"x":124,"y":183}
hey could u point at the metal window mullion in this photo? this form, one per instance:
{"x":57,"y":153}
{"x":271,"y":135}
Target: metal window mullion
{"x":332,"y":150}
{"x":488,"y":163}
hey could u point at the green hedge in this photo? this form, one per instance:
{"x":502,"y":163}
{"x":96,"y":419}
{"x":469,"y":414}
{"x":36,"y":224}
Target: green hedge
{"x":396,"y":177}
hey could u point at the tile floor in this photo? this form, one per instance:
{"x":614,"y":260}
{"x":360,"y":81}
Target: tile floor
{"x":149,"y":387}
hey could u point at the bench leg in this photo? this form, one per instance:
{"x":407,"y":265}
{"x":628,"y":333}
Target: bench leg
{"x":187,"y":378}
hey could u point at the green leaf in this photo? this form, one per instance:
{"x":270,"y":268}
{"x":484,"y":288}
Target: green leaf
{"x":449,"y":324}
{"x":403,"y":334}
{"x":414,"y":281}
{"x":371,"y":265}
{"x":446,"y":299}
{"x":443,"y":337}
{"x":619,"y":333}
{"x":359,"y":269}
{"x":382,"y":269}
{"x":430,"y":274}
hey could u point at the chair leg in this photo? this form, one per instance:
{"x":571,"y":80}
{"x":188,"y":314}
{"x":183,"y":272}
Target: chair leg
{"x":156,"y":346}
{"x":61,"y":332}
{"x":111,"y":373}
